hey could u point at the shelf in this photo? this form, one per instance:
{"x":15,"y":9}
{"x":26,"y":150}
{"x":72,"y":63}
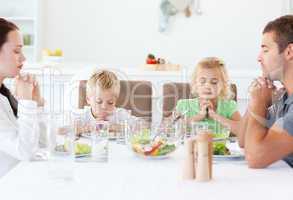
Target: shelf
{"x":27,"y":16}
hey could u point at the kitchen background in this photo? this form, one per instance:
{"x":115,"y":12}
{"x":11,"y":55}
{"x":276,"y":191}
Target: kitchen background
{"x":120,"y":34}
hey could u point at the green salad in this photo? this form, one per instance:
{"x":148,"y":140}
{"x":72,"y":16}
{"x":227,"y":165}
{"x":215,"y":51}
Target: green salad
{"x":143,"y":144}
{"x":220,"y":148}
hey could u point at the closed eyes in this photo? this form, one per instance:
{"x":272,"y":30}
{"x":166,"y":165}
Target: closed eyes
{"x":108,"y":102}
{"x":213,"y":81}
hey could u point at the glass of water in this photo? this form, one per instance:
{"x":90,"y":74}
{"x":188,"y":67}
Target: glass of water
{"x":100,"y":141}
{"x":61,"y":146}
{"x":199,"y":128}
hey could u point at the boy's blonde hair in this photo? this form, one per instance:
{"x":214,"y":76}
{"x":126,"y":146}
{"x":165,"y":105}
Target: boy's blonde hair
{"x":104,"y":80}
{"x":219,"y":65}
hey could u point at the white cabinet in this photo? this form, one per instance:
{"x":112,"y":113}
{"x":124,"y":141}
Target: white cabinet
{"x":26,"y":15}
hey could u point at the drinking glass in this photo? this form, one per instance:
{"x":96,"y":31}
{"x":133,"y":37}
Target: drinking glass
{"x":61,"y":146}
{"x":100,"y":141}
{"x":199,"y":128}
{"x":221,"y":131}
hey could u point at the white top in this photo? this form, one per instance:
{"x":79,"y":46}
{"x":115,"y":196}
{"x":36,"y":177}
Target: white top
{"x":126,"y":176}
{"x":18,"y":136}
{"x":119,"y":115}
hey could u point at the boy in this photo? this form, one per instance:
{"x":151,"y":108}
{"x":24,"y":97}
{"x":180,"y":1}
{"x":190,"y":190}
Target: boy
{"x":102,"y":92}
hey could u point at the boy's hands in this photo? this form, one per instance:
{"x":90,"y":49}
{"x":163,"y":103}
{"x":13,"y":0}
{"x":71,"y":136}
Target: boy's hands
{"x":81,"y":128}
{"x":102,"y":116}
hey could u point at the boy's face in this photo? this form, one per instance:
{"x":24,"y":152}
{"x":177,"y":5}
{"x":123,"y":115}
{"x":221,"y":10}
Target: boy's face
{"x":208,"y":84}
{"x":102,"y":102}
{"x":272,"y":62}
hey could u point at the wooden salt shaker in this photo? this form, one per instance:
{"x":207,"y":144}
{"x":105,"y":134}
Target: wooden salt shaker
{"x":188,"y":164}
{"x":203,"y":150}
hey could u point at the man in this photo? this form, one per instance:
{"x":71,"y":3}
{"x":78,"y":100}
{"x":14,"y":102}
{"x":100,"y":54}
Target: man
{"x":267,"y":129}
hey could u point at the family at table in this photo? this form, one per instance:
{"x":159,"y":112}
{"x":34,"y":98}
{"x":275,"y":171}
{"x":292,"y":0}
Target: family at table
{"x":265,"y":131}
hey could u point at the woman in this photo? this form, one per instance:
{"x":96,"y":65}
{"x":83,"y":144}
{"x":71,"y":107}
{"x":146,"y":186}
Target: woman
{"x":18,"y":128}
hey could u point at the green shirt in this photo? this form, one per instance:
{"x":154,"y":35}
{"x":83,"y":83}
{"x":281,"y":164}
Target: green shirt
{"x":225,"y":108}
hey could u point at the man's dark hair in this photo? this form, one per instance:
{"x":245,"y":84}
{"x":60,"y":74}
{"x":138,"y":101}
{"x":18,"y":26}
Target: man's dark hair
{"x":282,"y":27}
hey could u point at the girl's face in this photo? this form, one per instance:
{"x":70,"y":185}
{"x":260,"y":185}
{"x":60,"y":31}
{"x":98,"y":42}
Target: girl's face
{"x":102,"y":102}
{"x":208,"y":83}
{"x":11,"y":56}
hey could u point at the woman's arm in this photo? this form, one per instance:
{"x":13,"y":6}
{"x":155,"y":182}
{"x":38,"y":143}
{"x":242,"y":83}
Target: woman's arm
{"x":20,"y":139}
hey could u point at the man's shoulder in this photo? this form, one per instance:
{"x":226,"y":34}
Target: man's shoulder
{"x":282,"y":113}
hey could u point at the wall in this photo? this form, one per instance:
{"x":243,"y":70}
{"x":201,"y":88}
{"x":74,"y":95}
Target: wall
{"x":122,"y":33}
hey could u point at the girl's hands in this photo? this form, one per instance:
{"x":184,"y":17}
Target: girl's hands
{"x":204,"y":105}
{"x":212,"y":113}
{"x":206,"y":108}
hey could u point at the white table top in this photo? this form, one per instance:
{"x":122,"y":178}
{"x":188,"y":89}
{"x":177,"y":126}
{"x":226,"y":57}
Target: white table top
{"x":126,"y":176}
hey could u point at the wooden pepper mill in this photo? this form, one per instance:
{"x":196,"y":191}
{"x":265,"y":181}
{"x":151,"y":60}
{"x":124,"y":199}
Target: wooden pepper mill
{"x":203,"y":154}
{"x":198,"y":160}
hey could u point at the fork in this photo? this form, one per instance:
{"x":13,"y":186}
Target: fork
{"x":180,"y":116}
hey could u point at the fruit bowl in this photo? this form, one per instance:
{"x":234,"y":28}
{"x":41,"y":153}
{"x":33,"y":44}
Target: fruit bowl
{"x":151,"y":144}
{"x":52,"y":59}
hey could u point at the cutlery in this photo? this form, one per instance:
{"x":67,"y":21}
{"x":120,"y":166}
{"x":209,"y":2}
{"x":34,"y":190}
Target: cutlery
{"x":180,"y":116}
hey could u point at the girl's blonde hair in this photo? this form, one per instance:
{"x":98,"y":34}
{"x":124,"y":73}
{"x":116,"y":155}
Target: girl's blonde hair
{"x":103,"y":80}
{"x":219,"y":65}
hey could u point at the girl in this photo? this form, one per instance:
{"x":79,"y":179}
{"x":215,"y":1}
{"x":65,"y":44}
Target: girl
{"x":18,"y":130}
{"x":212,"y":104}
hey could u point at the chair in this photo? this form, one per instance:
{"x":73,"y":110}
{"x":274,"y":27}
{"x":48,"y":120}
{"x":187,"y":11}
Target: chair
{"x":174,"y":91}
{"x":134,"y":95}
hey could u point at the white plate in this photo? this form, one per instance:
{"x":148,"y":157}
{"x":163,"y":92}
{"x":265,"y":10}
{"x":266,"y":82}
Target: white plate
{"x":152,"y":157}
{"x":236,"y":152}
{"x":111,"y":137}
{"x":235,"y":155}
{"x":229,"y":139}
{"x":83,"y":155}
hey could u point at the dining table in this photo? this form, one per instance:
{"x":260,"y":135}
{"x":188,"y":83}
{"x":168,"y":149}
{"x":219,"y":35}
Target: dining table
{"x":128,"y":176}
